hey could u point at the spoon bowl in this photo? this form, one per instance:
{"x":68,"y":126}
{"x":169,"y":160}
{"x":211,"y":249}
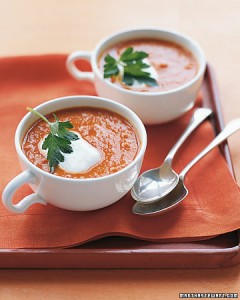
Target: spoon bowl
{"x":168,"y":202}
{"x":154,"y":183}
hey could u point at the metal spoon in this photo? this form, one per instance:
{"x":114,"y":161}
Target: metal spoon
{"x":156,"y":183}
{"x":175,"y":197}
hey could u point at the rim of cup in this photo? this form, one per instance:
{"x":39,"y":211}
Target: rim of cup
{"x":106,"y":43}
{"x":142,"y":136}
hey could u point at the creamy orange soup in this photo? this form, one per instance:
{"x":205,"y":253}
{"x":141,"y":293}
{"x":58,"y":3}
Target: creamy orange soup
{"x":115,"y":138}
{"x":174,"y":64}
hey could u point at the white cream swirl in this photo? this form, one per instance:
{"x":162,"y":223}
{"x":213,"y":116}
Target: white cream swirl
{"x":82,"y":159}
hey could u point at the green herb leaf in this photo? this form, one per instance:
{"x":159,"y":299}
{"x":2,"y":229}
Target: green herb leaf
{"x":135,"y":70}
{"x":129,"y":56}
{"x":147,"y":80}
{"x":58,"y":140}
{"x":132,"y":63}
{"x":128,"y":79}
{"x":111,"y":67}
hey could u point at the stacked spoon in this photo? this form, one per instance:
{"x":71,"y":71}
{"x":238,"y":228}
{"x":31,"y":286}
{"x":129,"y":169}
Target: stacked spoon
{"x":162,"y":189}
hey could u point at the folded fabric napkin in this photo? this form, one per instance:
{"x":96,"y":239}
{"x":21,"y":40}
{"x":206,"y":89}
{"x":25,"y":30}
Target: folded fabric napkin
{"x":211,"y":208}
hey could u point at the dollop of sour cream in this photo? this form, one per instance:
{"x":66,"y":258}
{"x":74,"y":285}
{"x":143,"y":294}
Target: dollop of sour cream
{"x":151,"y":69}
{"x":83,"y":157}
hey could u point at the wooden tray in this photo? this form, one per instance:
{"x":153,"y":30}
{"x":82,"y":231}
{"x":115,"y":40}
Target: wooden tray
{"x":119,"y":252}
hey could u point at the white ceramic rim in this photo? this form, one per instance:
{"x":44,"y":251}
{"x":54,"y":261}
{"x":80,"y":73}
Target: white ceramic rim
{"x":142,"y":136}
{"x":98,"y":49}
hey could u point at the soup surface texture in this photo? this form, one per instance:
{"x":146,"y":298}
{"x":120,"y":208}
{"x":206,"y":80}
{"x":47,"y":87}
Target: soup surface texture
{"x":113,"y":136}
{"x":170,"y":64}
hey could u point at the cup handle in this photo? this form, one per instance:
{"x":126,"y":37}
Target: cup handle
{"x":13,"y":186}
{"x":73,"y":70}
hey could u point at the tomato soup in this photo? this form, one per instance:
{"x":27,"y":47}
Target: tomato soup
{"x":173,"y":65}
{"x":110,"y":134}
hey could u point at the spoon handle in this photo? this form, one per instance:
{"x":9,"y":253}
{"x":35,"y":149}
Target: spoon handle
{"x":229,"y":129}
{"x":198,"y":117}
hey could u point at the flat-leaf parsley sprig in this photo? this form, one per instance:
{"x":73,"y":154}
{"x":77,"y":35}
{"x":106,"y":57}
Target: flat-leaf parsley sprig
{"x":131,"y":65}
{"x":58,"y":140}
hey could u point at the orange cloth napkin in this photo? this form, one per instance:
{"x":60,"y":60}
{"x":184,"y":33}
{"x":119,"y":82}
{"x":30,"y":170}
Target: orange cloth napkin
{"x":211,"y":208}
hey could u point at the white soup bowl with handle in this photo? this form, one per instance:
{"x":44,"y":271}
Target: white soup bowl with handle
{"x":68,"y":193}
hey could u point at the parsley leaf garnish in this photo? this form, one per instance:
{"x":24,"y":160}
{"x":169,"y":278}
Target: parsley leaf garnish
{"x":132,"y":66}
{"x":58,"y":140}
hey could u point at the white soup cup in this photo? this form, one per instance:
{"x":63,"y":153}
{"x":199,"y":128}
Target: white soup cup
{"x":151,"y":107}
{"x":67,"y":193}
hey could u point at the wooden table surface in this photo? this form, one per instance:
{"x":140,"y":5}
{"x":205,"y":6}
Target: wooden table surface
{"x":58,"y":26}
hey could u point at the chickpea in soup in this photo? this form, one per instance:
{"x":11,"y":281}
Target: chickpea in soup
{"x":107,"y":143}
{"x":170,"y":65}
